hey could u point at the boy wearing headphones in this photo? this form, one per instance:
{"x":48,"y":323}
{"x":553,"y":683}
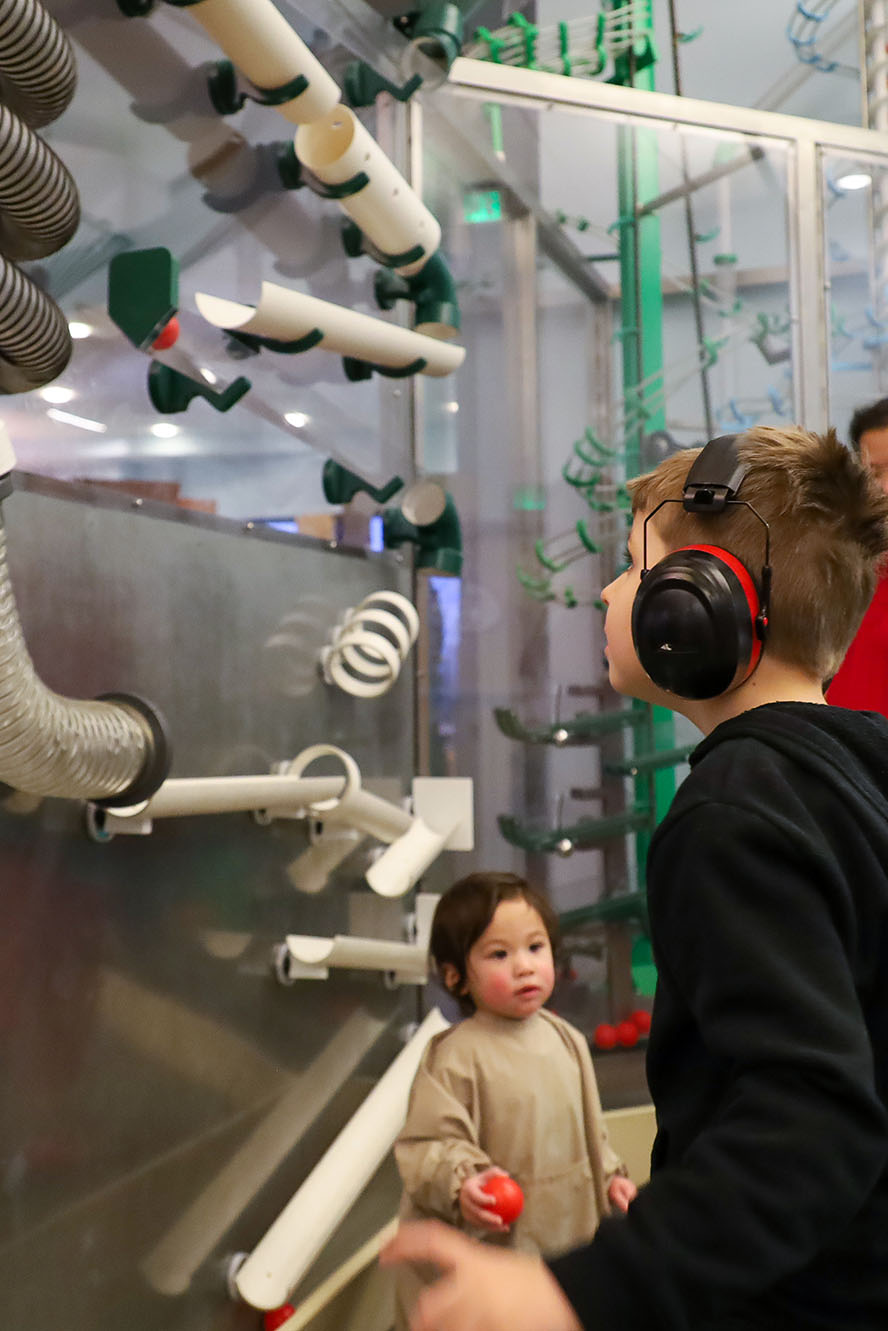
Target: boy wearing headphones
{"x":752,"y":563}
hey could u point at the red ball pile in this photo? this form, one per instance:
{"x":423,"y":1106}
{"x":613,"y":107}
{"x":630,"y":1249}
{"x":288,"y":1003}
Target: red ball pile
{"x":625,"y":1033}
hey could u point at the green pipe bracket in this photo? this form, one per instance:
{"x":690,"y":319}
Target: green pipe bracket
{"x":613,"y":910}
{"x":355,"y":243}
{"x":432,"y":290}
{"x":294,"y":175}
{"x":229,"y":96}
{"x":439,"y":548}
{"x":362,"y":85}
{"x":649,"y":762}
{"x":253,"y":342}
{"x":585,"y":834}
{"x":341,"y":485}
{"x":357,"y":370}
{"x":172,"y":392}
{"x":143,"y":293}
{"x":584,"y":728}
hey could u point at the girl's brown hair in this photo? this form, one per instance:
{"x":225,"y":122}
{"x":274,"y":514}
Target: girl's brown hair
{"x":828,"y":521}
{"x":464,"y":912}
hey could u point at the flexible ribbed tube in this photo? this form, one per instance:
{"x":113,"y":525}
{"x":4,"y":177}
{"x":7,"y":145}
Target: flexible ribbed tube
{"x":35,"y":345}
{"x":37,"y":70}
{"x":39,"y":207}
{"x":51,"y":745}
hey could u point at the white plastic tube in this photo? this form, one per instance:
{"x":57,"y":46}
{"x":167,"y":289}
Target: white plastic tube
{"x":170,"y":1266}
{"x":286,"y":316}
{"x":183,"y":796}
{"x":401,"y":866}
{"x":284,"y":1255}
{"x":263,"y":46}
{"x":371,"y":954}
{"x":336,"y":147}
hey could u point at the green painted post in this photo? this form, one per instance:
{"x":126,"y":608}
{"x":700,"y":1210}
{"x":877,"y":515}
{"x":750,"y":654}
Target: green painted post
{"x":641,"y":335}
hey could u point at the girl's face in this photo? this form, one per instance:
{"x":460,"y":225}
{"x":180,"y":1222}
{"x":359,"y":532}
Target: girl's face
{"x":510,"y":970}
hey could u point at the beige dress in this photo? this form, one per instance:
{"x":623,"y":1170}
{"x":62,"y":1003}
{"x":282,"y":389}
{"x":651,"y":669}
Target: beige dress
{"x":518,"y":1094}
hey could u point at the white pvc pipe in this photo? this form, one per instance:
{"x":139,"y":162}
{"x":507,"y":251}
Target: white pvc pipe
{"x":171,"y":1264}
{"x":183,"y":796}
{"x":401,"y":866}
{"x":284,"y":1255}
{"x":263,"y":46}
{"x":336,"y":147}
{"x":371,"y":954}
{"x":286,"y":316}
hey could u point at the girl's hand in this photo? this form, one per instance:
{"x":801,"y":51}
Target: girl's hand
{"x":621,"y":1191}
{"x":474,"y":1204}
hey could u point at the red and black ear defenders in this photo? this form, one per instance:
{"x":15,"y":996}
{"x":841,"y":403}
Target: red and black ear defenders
{"x":698,"y":619}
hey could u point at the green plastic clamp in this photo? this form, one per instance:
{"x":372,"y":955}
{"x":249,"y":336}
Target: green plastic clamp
{"x":362,"y":85}
{"x":227,"y":98}
{"x":355,"y":243}
{"x":641,"y":763}
{"x":432,"y":290}
{"x":584,"y":728}
{"x":256,"y":343}
{"x":294,"y":175}
{"x":172,"y":392}
{"x":613,"y":910}
{"x":529,"y":32}
{"x":539,"y":588}
{"x":341,"y":485}
{"x":586,"y":834}
{"x":439,"y":547}
{"x":357,"y":370}
{"x":494,"y":44}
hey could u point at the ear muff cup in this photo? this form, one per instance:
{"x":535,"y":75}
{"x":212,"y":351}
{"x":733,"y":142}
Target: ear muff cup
{"x":695,"y":622}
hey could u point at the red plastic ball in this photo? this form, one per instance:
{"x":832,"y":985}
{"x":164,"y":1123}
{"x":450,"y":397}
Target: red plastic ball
{"x":167,"y":336}
{"x":276,"y":1317}
{"x":627,"y":1033}
{"x":508,"y":1199}
{"x":641,"y":1020}
{"x":605,"y":1036}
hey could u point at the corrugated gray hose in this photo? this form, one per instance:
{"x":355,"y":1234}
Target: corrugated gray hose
{"x":39,"y":206}
{"x":110,"y":751}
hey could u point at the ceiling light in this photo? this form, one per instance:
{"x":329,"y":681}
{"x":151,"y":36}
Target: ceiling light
{"x":208,"y":375}
{"x":164,"y":430}
{"x":452,"y":407}
{"x":79,"y":330}
{"x":854,"y":180}
{"x":297,"y":419}
{"x":65,"y":418}
{"x":56,"y":393}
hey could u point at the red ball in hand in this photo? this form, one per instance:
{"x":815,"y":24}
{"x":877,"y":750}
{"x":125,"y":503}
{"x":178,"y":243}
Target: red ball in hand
{"x":276,"y":1317}
{"x":605,"y":1036}
{"x":641,"y":1020}
{"x":167,"y":336}
{"x":508,"y":1199}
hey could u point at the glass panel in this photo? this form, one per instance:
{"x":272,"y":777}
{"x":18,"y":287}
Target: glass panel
{"x":855,"y":195}
{"x":155,"y":165}
{"x":568,"y":389}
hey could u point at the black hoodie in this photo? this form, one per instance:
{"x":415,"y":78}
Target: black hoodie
{"x":768,"y":1053}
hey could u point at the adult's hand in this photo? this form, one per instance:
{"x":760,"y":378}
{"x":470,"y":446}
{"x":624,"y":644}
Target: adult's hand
{"x":481,"y":1288}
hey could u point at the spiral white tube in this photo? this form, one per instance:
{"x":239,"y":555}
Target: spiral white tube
{"x":370,"y":644}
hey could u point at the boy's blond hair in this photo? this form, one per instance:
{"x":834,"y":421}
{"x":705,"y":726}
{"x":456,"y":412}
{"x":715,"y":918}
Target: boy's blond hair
{"x":829,"y":532}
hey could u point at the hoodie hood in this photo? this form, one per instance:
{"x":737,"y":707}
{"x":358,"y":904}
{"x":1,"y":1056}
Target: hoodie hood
{"x":843,"y":748}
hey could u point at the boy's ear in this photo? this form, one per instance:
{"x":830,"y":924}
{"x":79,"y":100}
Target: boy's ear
{"x":452,"y":979}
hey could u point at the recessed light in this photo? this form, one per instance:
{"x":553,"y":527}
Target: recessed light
{"x":79,"y":330}
{"x":297,"y":419}
{"x":56,"y":393}
{"x":452,"y":407}
{"x":854,"y":180}
{"x":164,"y":430}
{"x":65,"y":418}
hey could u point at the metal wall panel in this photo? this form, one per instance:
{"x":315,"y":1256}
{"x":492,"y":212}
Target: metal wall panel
{"x":152,"y":1067}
